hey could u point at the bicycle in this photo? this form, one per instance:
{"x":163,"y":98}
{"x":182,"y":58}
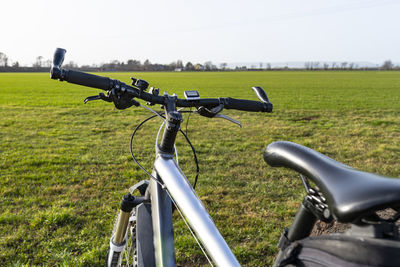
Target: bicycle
{"x":143,"y":232}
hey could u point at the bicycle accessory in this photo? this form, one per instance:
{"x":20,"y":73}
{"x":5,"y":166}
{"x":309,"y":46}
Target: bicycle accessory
{"x":192,"y":95}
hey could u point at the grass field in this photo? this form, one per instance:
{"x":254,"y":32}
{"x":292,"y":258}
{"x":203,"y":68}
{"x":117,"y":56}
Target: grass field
{"x":64,"y":166}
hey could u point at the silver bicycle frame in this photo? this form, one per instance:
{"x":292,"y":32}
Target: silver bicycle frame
{"x":191,"y":207}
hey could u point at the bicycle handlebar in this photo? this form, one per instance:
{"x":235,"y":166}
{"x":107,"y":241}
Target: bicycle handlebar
{"x":105,"y":83}
{"x":246,"y":105}
{"x":90,"y":80}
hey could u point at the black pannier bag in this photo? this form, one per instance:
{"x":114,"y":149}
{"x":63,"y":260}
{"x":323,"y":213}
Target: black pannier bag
{"x":342,"y":250}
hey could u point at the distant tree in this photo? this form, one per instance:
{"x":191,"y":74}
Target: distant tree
{"x":38,"y":63}
{"x":308,"y":65}
{"x":86,"y":67}
{"x":146,"y":65}
{"x":326,"y":66}
{"x":387,"y":65}
{"x":351,"y":65}
{"x":133,"y":64}
{"x":115,"y":62}
{"x":71,"y":65}
{"x":189,"y":66}
{"x":159,"y":67}
{"x":48,"y":63}
{"x":261,"y":65}
{"x":269,"y":66}
{"x":176,"y":65}
{"x":208,"y":65}
{"x":15,"y":64}
{"x":344,"y":65}
{"x":179,"y":64}
{"x":241,"y":68}
{"x":223,"y":66}
{"x":172,"y":65}
{"x":3,"y":60}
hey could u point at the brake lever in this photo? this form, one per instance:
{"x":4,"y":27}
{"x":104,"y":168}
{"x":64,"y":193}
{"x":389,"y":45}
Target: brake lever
{"x":98,"y":97}
{"x":214,"y":113}
{"x":210,"y":113}
{"x":221,"y":116}
{"x":120,"y":101}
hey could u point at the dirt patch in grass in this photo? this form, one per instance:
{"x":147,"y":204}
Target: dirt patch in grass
{"x":322,"y":228}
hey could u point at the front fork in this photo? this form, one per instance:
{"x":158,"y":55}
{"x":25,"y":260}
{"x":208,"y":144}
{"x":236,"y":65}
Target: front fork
{"x":119,"y":238}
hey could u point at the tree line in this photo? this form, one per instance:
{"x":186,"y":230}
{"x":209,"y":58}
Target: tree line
{"x":42,"y":64}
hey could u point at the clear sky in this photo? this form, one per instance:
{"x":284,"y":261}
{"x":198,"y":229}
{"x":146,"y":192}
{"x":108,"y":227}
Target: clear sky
{"x":203,"y":30}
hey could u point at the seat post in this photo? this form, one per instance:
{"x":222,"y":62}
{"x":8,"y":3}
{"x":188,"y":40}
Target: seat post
{"x":302,"y":225}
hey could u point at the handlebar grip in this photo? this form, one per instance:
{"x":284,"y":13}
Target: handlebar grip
{"x":247,"y":105}
{"x":89,"y":80}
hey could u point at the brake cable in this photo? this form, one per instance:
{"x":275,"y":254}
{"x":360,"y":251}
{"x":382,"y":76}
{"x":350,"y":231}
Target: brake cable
{"x":131,"y":146}
{"x":183,"y":133}
{"x":187,"y":121}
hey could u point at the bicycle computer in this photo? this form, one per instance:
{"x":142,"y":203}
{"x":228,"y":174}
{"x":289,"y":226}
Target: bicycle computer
{"x":192,"y":95}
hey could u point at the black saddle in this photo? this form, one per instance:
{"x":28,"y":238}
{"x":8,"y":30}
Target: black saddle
{"x":349,"y":193}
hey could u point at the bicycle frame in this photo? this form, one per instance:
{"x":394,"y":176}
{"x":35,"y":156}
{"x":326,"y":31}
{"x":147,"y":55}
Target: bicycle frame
{"x":168,"y":185}
{"x":190,"y":205}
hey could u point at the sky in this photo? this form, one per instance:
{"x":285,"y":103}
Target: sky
{"x":203,"y":30}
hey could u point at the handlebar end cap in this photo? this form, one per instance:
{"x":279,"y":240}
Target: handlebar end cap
{"x":268,"y":107}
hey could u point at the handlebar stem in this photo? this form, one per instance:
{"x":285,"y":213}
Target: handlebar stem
{"x":172,"y":125}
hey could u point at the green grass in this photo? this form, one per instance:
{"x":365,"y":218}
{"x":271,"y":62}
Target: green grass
{"x":64,"y":166}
